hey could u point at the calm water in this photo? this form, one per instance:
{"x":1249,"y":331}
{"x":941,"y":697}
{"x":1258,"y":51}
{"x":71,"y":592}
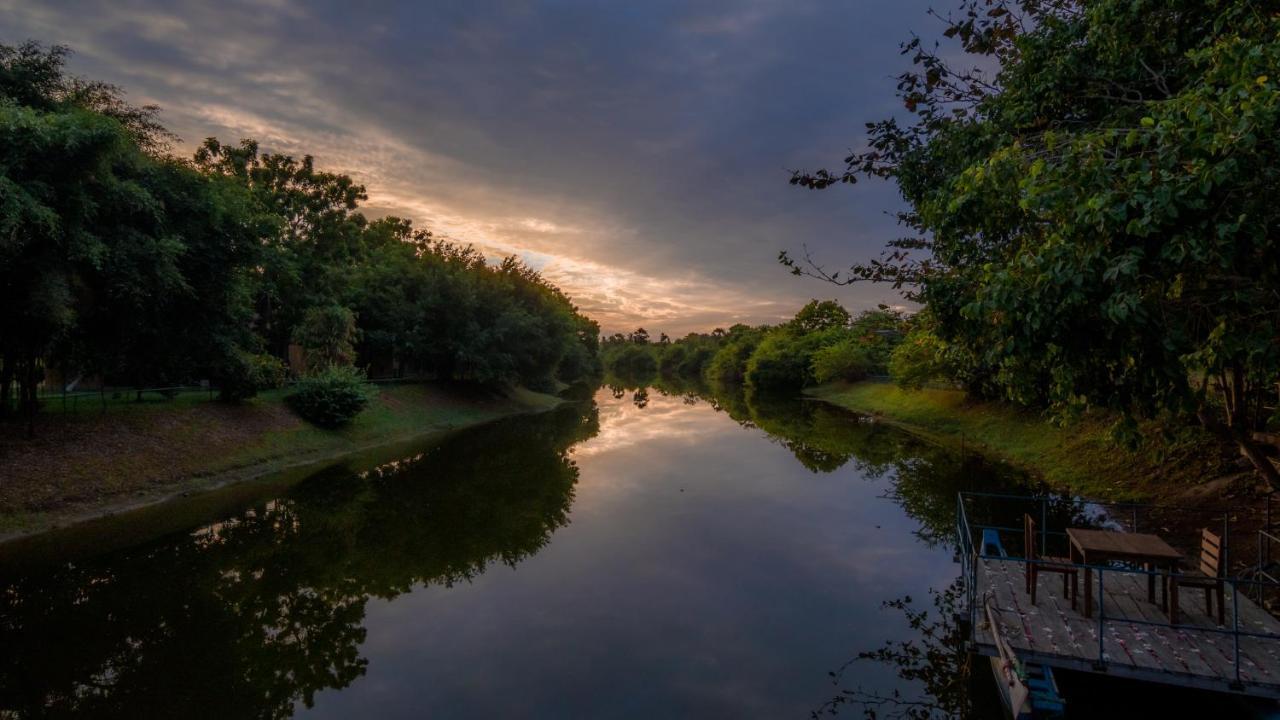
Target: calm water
{"x":640,"y":554}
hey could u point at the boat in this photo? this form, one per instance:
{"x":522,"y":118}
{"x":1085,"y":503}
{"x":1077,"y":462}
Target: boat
{"x":1027,"y":690}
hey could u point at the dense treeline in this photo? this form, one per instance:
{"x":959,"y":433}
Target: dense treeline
{"x":121,"y":262}
{"x":821,"y":344}
{"x":1093,"y":223}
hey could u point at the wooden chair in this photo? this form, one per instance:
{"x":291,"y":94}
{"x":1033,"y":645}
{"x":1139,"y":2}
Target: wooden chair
{"x":1208,"y":576}
{"x":1036,"y":564}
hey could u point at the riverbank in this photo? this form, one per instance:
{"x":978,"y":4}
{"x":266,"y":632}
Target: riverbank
{"x":85,"y":465}
{"x":1079,"y":458}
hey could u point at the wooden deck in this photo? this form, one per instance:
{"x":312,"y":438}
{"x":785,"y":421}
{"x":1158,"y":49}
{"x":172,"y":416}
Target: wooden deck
{"x":1051,"y":633}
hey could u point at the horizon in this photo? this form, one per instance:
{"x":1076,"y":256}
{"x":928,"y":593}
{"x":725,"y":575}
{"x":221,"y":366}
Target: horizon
{"x":638,"y":161}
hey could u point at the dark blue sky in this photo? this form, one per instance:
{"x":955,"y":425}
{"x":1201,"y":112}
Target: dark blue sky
{"x":636,"y":152}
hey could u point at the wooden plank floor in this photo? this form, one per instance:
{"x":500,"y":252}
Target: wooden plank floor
{"x":1051,"y":632}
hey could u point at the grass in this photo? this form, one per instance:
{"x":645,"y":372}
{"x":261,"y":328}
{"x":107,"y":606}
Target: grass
{"x":398,"y":412}
{"x":82,"y":463}
{"x":1079,"y":458}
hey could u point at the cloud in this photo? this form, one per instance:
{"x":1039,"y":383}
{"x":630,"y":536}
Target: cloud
{"x":638,"y":158}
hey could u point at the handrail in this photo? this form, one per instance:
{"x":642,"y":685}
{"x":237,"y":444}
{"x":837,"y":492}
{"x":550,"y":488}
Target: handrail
{"x":1011,"y":529}
{"x":1102,"y":569}
{"x":970,"y":558}
{"x":968,"y":567}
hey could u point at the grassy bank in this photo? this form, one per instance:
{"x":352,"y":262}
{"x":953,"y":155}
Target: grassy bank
{"x":1078,"y":458}
{"x":83,"y":464}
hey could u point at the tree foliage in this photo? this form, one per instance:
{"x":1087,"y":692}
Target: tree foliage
{"x":327,"y":336}
{"x":1092,"y":223}
{"x":122,"y":263}
{"x":332,"y":396}
{"x":822,"y":343}
{"x":846,"y":360}
{"x":113,"y":259}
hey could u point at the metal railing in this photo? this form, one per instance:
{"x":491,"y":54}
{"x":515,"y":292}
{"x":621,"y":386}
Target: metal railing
{"x":101,"y":399}
{"x":1233,"y":587}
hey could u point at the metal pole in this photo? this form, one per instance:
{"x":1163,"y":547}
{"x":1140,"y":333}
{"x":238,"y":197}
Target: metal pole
{"x":1261,"y":565}
{"x":1135,"y":518}
{"x":1235,"y":625}
{"x":1044,"y":526}
{"x":1226,"y":543}
{"x":1102,"y":611}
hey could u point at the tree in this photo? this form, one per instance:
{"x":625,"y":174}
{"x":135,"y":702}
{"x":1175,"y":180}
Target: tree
{"x":729,"y":364}
{"x":385,"y":292}
{"x":1096,"y":217}
{"x":168,"y":302}
{"x":919,"y":359}
{"x":784,"y":359}
{"x":120,"y":261}
{"x":846,"y":360}
{"x":116,"y":259}
{"x":327,"y":336}
{"x":824,"y":315}
{"x":308,"y":262}
{"x":640,"y":336}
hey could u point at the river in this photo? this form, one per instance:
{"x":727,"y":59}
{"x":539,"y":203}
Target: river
{"x":641,"y":553}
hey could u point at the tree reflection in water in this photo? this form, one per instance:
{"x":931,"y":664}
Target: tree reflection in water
{"x":934,"y":661}
{"x":925,"y":476}
{"x":251,"y":615}
{"x":925,"y":479}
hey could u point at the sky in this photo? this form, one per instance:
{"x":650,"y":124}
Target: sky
{"x":636,"y":153}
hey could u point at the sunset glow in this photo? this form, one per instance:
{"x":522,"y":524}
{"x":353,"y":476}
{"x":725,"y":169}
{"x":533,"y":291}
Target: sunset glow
{"x":640,"y":161}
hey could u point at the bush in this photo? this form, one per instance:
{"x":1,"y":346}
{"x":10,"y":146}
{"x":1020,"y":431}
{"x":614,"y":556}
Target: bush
{"x":784,"y":360}
{"x":579,"y":363}
{"x":247,"y":374}
{"x":331,"y":397}
{"x":920,"y":358}
{"x":631,"y":361}
{"x":671,"y":358}
{"x":846,"y":360}
{"x":729,"y":363}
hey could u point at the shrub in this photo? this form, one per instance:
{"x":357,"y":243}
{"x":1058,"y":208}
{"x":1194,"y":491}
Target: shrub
{"x":846,"y":360}
{"x":632,"y":360}
{"x":784,"y":360}
{"x":579,"y":363}
{"x":331,"y":397}
{"x":671,"y":358}
{"x":247,"y":374}
{"x":920,"y":357}
{"x":729,"y":363}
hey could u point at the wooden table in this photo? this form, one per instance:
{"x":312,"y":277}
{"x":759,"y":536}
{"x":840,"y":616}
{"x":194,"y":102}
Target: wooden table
{"x":1094,"y":547}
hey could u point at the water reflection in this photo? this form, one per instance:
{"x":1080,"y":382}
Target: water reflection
{"x":922,"y":477}
{"x":249,"y":616}
{"x":934,"y":661}
{"x":726,"y":551}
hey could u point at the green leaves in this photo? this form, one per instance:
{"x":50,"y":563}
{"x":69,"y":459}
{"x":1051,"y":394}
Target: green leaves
{"x":120,"y":262}
{"x":331,"y":397}
{"x":1102,"y":224}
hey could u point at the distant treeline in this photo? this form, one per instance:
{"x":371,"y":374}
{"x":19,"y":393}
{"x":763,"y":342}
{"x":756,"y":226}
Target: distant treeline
{"x":121,"y":262}
{"x":822,"y":343}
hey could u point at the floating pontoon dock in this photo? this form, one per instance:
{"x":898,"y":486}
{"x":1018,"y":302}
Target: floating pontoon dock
{"x":1128,"y":635}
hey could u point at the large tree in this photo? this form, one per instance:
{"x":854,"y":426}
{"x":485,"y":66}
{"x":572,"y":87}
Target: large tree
{"x":114,"y":258}
{"x":1093,"y":222}
{"x":307,"y":263}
